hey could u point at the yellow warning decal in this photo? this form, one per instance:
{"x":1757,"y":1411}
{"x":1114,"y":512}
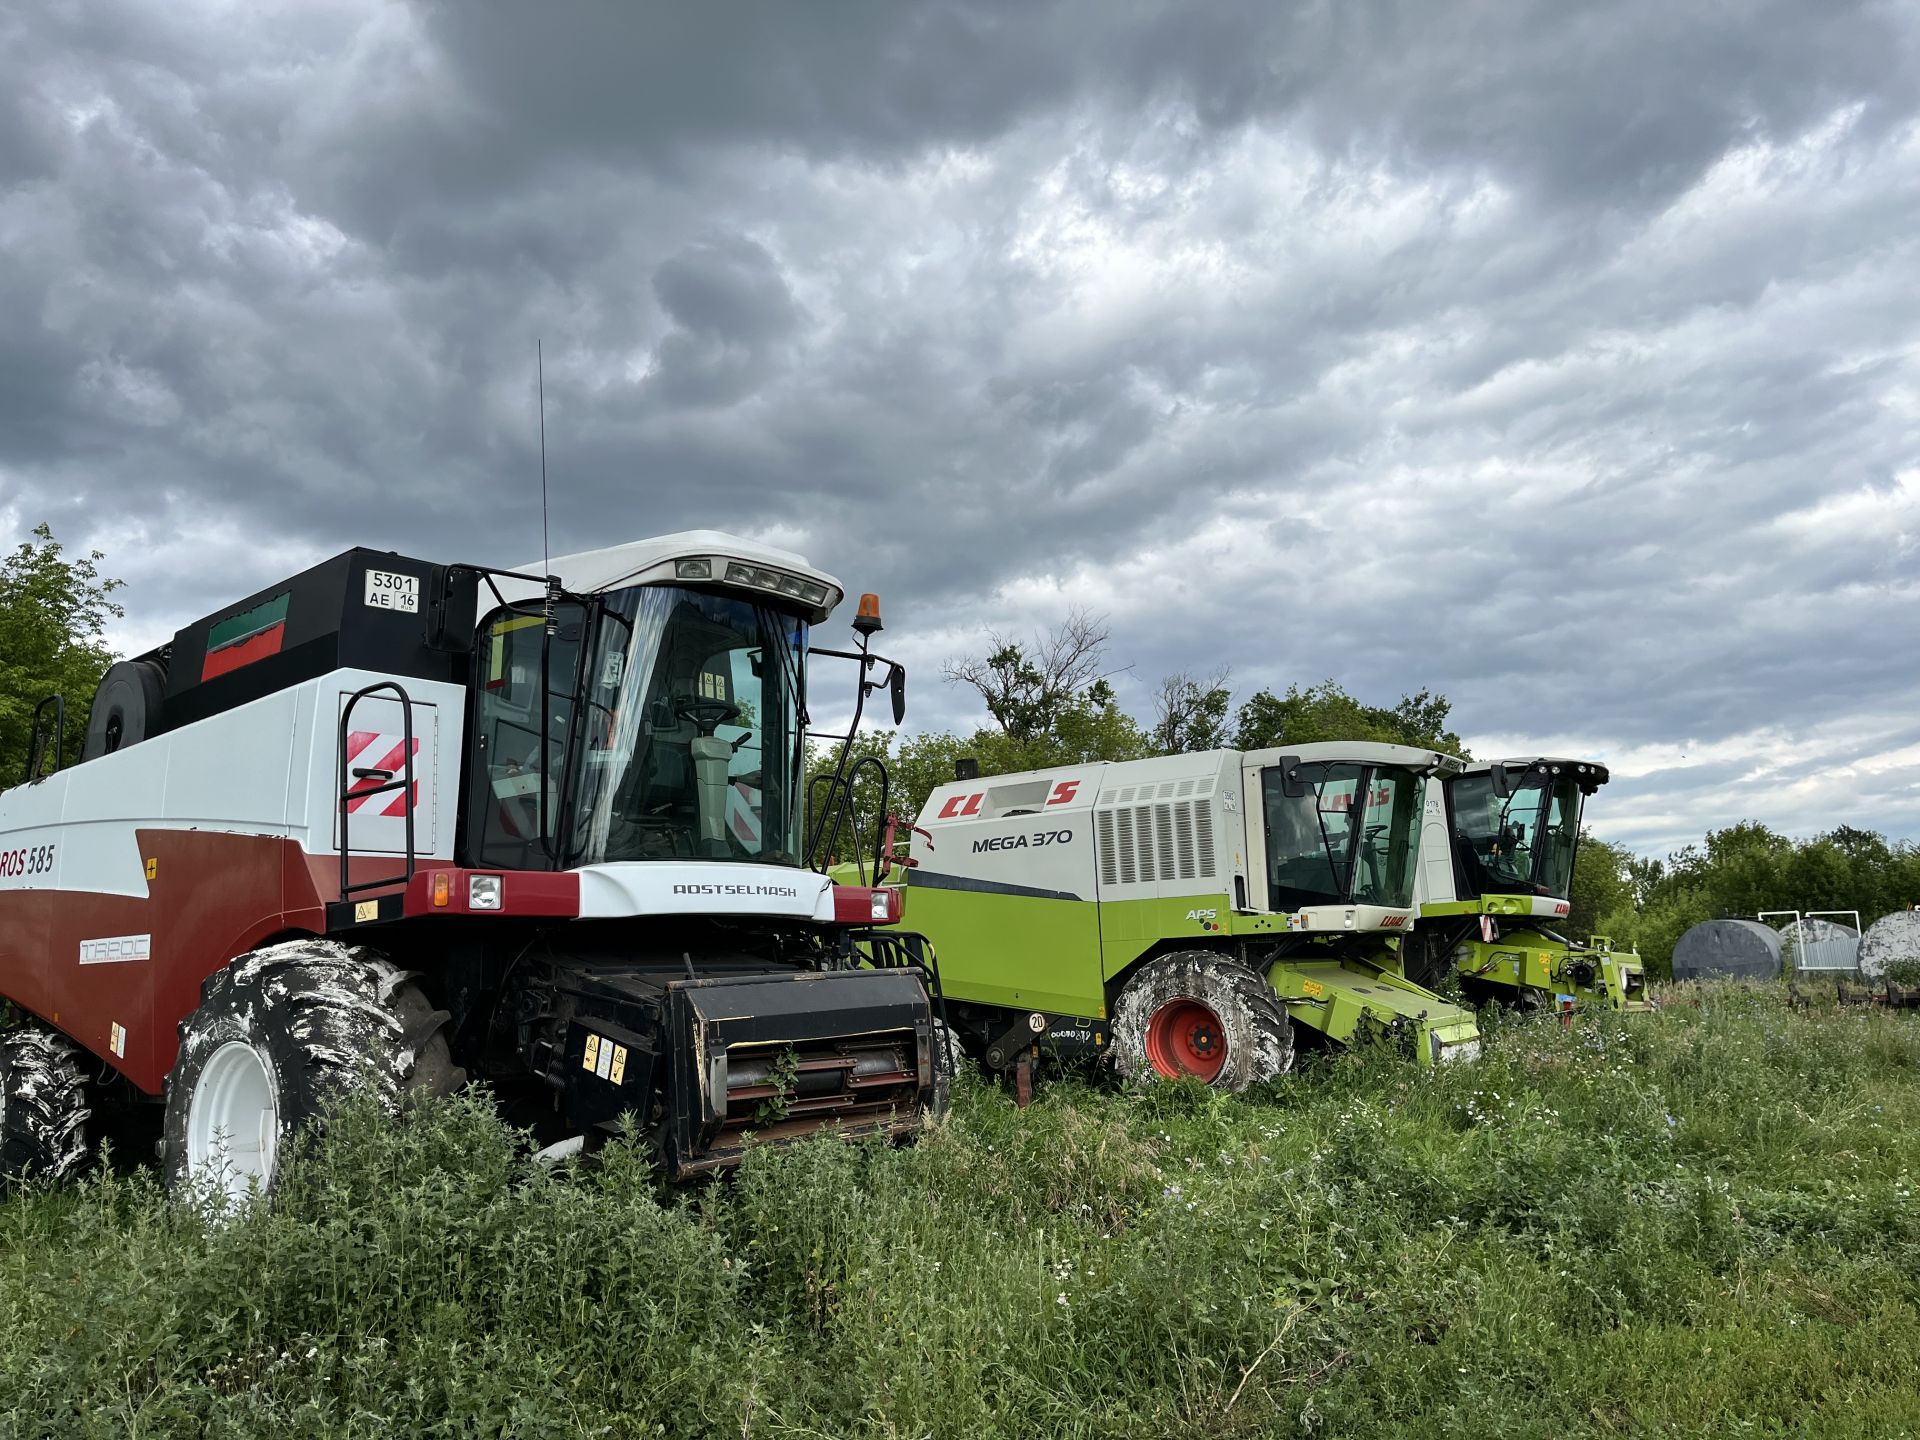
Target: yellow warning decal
{"x":1312,"y":987}
{"x":119,"y":1041}
{"x":591,"y":1061}
{"x":153,"y":869}
{"x":619,"y":1074}
{"x":366,"y":910}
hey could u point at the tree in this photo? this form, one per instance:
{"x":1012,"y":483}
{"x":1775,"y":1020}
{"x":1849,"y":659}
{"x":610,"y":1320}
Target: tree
{"x":1190,"y":714}
{"x":1327,"y":712}
{"x":53,"y":617}
{"x":1602,"y":889}
{"x":1027,"y":687}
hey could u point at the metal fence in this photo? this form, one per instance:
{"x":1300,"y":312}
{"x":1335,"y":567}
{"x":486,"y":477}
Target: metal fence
{"x":1819,"y":941}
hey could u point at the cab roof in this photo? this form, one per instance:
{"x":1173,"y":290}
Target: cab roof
{"x":640,"y":562}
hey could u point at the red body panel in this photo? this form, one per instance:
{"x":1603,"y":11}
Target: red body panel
{"x":212,"y":896}
{"x":522,"y":892}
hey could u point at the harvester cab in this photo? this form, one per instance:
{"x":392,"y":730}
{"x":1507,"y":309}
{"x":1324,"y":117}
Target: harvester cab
{"x":1187,"y":915}
{"x":1496,"y":874}
{"x":416,"y":822}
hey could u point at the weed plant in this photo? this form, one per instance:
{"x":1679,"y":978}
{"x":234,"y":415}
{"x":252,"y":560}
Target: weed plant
{"x":1695,"y":1222}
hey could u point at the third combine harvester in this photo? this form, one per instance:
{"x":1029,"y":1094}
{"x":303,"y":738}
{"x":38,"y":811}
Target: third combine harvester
{"x":1496,"y":876}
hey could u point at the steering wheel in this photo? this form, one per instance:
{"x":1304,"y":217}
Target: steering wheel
{"x":706,"y":716}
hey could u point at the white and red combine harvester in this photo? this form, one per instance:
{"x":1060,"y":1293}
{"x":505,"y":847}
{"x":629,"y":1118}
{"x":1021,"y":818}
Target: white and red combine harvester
{"x":399,"y":824}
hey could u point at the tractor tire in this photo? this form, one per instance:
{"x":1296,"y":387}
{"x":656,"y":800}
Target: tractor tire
{"x":280,"y":1034}
{"x":1428,"y":961}
{"x":1202,"y":1015}
{"x":43,"y":1106}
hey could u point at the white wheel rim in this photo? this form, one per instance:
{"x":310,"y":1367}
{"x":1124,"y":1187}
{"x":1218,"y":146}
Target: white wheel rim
{"x":233,"y":1125}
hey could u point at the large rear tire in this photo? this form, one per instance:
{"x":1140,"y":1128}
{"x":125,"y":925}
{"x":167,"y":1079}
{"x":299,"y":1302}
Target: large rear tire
{"x":279,"y":1035}
{"x":1202,"y":1015}
{"x":43,"y":1106}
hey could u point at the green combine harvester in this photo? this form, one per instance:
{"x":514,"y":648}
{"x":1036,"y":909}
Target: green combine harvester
{"x":1496,"y":871}
{"x":1192,"y":915}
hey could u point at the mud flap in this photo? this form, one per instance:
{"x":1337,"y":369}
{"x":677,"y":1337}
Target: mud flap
{"x":775,"y":1057}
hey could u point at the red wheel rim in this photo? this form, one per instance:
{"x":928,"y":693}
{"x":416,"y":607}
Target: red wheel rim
{"x":1184,"y":1037}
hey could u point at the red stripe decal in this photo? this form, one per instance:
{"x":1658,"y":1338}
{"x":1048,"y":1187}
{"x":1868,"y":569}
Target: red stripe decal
{"x":390,"y":762}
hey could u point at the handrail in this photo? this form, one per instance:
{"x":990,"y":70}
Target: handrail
{"x":37,"y":742}
{"x":349,"y":793}
{"x":838,"y":803}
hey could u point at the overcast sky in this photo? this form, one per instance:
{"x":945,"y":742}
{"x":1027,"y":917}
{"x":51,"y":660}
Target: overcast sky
{"x":1559,"y":357}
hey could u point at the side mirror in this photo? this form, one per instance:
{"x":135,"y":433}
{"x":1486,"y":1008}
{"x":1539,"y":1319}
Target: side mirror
{"x":1502,"y":786}
{"x":897,"y":689}
{"x":1291,"y":785}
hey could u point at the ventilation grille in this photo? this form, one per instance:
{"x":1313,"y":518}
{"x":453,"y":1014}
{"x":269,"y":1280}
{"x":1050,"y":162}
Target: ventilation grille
{"x":1161,"y":839}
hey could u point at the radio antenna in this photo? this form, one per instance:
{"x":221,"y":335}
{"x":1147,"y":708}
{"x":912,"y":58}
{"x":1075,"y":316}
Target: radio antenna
{"x":540,"y":376}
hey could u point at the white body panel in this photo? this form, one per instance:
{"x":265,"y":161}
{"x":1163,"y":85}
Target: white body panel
{"x":1125,"y":830}
{"x":265,"y":768}
{"x":1433,"y":878}
{"x":1174,"y":826}
{"x":693,"y":887}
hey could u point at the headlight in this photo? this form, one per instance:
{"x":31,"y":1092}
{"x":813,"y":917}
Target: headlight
{"x":483,"y":892}
{"x":693,"y":570}
{"x":882,"y":905}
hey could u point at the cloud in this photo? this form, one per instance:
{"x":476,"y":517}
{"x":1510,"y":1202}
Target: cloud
{"x":1558,"y":358}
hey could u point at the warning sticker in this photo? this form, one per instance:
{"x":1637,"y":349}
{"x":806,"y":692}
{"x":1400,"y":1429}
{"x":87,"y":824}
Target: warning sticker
{"x":591,"y":1060}
{"x":118,"y":1041}
{"x":605,"y":1068}
{"x":619,"y":1075}
{"x":1312,"y":987}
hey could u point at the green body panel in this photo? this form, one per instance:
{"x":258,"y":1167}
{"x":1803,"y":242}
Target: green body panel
{"x":1485,"y":905}
{"x":1013,"y":950}
{"x":1527,"y":960}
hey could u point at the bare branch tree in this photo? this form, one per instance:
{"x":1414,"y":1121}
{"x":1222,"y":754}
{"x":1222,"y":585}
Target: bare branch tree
{"x":1025,"y":687}
{"x":1191,"y":714}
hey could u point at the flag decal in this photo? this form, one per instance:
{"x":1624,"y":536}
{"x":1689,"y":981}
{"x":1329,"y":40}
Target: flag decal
{"x":242,"y":639}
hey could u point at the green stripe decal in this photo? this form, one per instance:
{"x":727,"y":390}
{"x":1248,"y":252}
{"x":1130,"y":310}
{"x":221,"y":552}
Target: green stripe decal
{"x":235,"y":628}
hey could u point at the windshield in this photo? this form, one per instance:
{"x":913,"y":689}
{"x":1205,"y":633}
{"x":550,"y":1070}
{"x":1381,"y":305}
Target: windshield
{"x":686,"y":744}
{"x":1522,"y":845}
{"x":1350,"y":839}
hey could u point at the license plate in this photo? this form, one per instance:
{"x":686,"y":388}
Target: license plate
{"x":389,"y":590}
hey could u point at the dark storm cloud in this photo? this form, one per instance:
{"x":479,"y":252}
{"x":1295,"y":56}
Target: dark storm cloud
{"x":1561,"y":358}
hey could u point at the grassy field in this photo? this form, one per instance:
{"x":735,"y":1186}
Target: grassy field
{"x":1698,"y":1222}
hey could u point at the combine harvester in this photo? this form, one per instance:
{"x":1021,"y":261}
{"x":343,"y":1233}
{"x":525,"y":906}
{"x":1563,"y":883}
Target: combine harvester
{"x":1187,"y":915}
{"x":400,"y":823}
{"x":1496,"y":870}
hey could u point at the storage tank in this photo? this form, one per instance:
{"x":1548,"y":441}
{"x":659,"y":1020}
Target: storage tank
{"x":1736,"y":949}
{"x":1891,"y":940}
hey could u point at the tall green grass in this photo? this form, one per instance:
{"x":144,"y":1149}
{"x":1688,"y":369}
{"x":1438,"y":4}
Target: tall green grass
{"x":1696,"y":1222}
